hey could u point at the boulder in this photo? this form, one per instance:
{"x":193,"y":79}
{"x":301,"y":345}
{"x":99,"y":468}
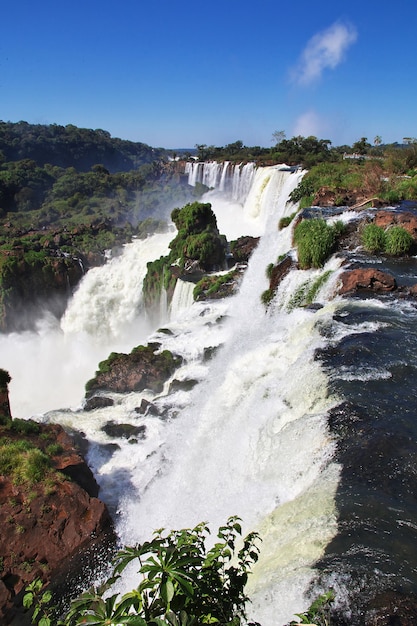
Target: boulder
{"x":279,"y":271}
{"x":366,"y":279}
{"x":242,"y":248}
{"x":143,"y":368}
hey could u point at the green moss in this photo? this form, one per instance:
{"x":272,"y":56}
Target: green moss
{"x":299,"y":296}
{"x":316,"y":286}
{"x":269,"y":270}
{"x":267,"y":296}
{"x":286,"y":221}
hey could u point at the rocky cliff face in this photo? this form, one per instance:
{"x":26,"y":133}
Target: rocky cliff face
{"x":48,"y":519}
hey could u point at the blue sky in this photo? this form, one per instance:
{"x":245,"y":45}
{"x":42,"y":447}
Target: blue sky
{"x":177,"y":74}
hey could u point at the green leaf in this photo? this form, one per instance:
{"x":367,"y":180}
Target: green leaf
{"x":46,"y":598}
{"x":44,"y":621}
{"x":167,"y":591}
{"x":28,"y":600}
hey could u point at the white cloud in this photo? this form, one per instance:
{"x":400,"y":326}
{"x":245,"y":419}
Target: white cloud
{"x":325,"y":50}
{"x":309,"y":124}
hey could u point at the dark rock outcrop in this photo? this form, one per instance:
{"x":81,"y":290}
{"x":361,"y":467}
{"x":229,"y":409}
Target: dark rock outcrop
{"x":279,"y":271}
{"x":242,"y":248}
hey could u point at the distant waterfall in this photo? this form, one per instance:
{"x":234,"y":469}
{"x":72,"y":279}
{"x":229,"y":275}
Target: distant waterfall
{"x":232,"y":180}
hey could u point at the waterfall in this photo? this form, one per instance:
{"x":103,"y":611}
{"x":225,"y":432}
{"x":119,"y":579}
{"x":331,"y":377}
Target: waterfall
{"x":299,"y":420}
{"x":182,"y":297}
{"x":251,"y":438}
{"x":107,"y":300}
{"x":232,"y":180}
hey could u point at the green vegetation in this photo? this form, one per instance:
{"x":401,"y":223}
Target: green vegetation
{"x":315,"y":240}
{"x":319,"y":611}
{"x":209,"y":286}
{"x":197,"y":242}
{"x":286,"y":221}
{"x":388,"y":173}
{"x":397,"y":240}
{"x":394,"y":241}
{"x":373,"y":238}
{"x":267,"y":296}
{"x":69,"y":146}
{"x":23,"y":462}
{"x":298,"y":150}
{"x":181,"y":583}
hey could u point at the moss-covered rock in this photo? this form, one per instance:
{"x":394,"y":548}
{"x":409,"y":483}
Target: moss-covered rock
{"x":197,"y":248}
{"x":143,"y":368}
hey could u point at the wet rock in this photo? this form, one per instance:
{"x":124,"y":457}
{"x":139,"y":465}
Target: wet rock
{"x":242,"y":248}
{"x":147,"y":407}
{"x":97,"y":402}
{"x":366,"y":279}
{"x":406,"y":219}
{"x":392,"y":609}
{"x":143,"y":368}
{"x":182,"y":385}
{"x":279,"y":272}
{"x":125,"y":431}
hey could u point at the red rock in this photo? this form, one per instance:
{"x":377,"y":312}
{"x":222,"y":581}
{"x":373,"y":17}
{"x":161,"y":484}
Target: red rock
{"x":366,"y":279}
{"x":46,"y":526}
{"x":406,"y":219}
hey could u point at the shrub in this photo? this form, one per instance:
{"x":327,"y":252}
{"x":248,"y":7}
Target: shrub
{"x":269,"y":270}
{"x":315,"y":240}
{"x":373,"y":238}
{"x":180,"y":582}
{"x":267,"y":296}
{"x":285,"y":221}
{"x":25,"y":427}
{"x":397,"y":240}
{"x":54,"y":449}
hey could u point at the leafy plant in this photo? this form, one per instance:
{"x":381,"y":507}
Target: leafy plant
{"x":181,"y":583}
{"x":319,"y":611}
{"x":40,"y":601}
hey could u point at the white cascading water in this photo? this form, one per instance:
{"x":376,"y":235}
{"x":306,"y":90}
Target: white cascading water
{"x":105,"y":315}
{"x":251,"y":438}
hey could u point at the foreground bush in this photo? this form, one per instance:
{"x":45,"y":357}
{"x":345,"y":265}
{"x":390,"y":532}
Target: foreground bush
{"x":181,"y":583}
